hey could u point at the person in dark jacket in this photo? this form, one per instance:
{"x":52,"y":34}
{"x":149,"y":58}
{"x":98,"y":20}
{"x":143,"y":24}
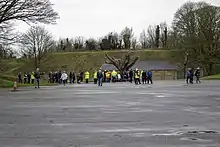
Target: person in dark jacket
{"x":81,"y":76}
{"x":191,"y":76}
{"x":149,"y":77}
{"x":100,"y":77}
{"x":19,"y":78}
{"x":37,"y":77}
{"x":29,"y":78}
{"x":197,"y":74}
{"x":144,"y":77}
{"x":74,"y":77}
{"x":71,"y":77}
{"x":188,"y":76}
{"x":131,"y":74}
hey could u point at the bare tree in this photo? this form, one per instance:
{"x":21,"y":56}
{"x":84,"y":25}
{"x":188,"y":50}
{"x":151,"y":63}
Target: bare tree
{"x":36,"y":42}
{"x":123,"y":64}
{"x":143,"y":39}
{"x":127,"y":35}
{"x":29,"y":11}
{"x":163,"y":34}
{"x":78,"y":42}
{"x":151,"y":33}
{"x":134,"y":43}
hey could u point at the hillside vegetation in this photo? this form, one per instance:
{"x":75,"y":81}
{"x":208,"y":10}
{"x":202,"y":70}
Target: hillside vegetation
{"x":82,"y":61}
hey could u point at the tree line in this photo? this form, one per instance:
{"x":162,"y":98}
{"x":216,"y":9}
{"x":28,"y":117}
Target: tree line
{"x":195,"y":30}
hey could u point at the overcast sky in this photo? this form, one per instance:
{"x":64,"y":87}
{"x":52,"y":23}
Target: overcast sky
{"x":95,"y":18}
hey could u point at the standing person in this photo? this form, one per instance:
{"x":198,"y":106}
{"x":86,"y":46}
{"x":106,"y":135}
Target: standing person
{"x":100,"y":77}
{"x":87,"y":76}
{"x":78,"y":78}
{"x":50,"y":77}
{"x":144,"y":77}
{"x":32,"y":78}
{"x":29,"y":78}
{"x":188,"y":76}
{"x":197,"y":74}
{"x":64,"y":77}
{"x":59,"y":77}
{"x":19,"y":78}
{"x":149,"y":77}
{"x":74,"y":77}
{"x":114,"y":76}
{"x":37,"y":77}
{"x":131,"y":76}
{"x":81,"y":76}
{"x":25,"y":78}
{"x":71,"y":77}
{"x":136,"y":76}
{"x":191,"y":76}
{"x":95,"y":77}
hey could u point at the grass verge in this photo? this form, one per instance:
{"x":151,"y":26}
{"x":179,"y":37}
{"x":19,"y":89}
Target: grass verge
{"x":212,"y":77}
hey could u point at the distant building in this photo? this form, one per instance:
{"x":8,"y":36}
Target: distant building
{"x":162,"y":70}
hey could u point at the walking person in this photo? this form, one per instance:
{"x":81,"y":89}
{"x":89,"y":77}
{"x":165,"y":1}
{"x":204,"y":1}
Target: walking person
{"x":37,"y":77}
{"x":188,"y":76}
{"x":197,"y":74}
{"x":191,"y":76}
{"x":19,"y":78}
{"x":64,"y":77}
{"x":100,"y":77}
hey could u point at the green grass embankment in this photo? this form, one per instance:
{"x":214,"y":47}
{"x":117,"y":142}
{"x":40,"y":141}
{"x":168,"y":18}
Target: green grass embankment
{"x":82,"y":61}
{"x":212,"y":77}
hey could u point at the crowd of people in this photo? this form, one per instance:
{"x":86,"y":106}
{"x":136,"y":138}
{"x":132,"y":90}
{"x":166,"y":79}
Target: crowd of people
{"x":30,"y":78}
{"x":137,"y":76}
{"x":101,"y":76}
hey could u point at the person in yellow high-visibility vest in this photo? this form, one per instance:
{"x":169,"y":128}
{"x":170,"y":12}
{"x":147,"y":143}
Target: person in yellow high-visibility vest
{"x":108,"y":76}
{"x":137,"y":76}
{"x":87,"y":76}
{"x":32,"y":78}
{"x":114,"y":76}
{"x":95,"y":77}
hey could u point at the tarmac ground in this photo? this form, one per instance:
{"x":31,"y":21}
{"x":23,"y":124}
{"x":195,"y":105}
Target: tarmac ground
{"x":166,"y":114}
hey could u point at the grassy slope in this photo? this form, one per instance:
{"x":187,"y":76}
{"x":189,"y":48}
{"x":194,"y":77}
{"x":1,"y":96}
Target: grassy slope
{"x":77,"y":61}
{"x":212,"y":77}
{"x":92,"y":60}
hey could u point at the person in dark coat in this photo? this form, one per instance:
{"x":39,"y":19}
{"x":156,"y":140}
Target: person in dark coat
{"x":19,"y":78}
{"x":71,"y":77}
{"x":191,"y":76}
{"x":100,"y":77}
{"x":131,"y":74}
{"x":59,"y":77}
{"x":197,"y":74}
{"x":144,"y":77}
{"x":29,"y":78}
{"x":81,"y":76}
{"x":188,"y":76}
{"x":37,"y":78}
{"x":74,"y":77}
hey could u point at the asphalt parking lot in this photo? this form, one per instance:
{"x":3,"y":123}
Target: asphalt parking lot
{"x":166,"y":114}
